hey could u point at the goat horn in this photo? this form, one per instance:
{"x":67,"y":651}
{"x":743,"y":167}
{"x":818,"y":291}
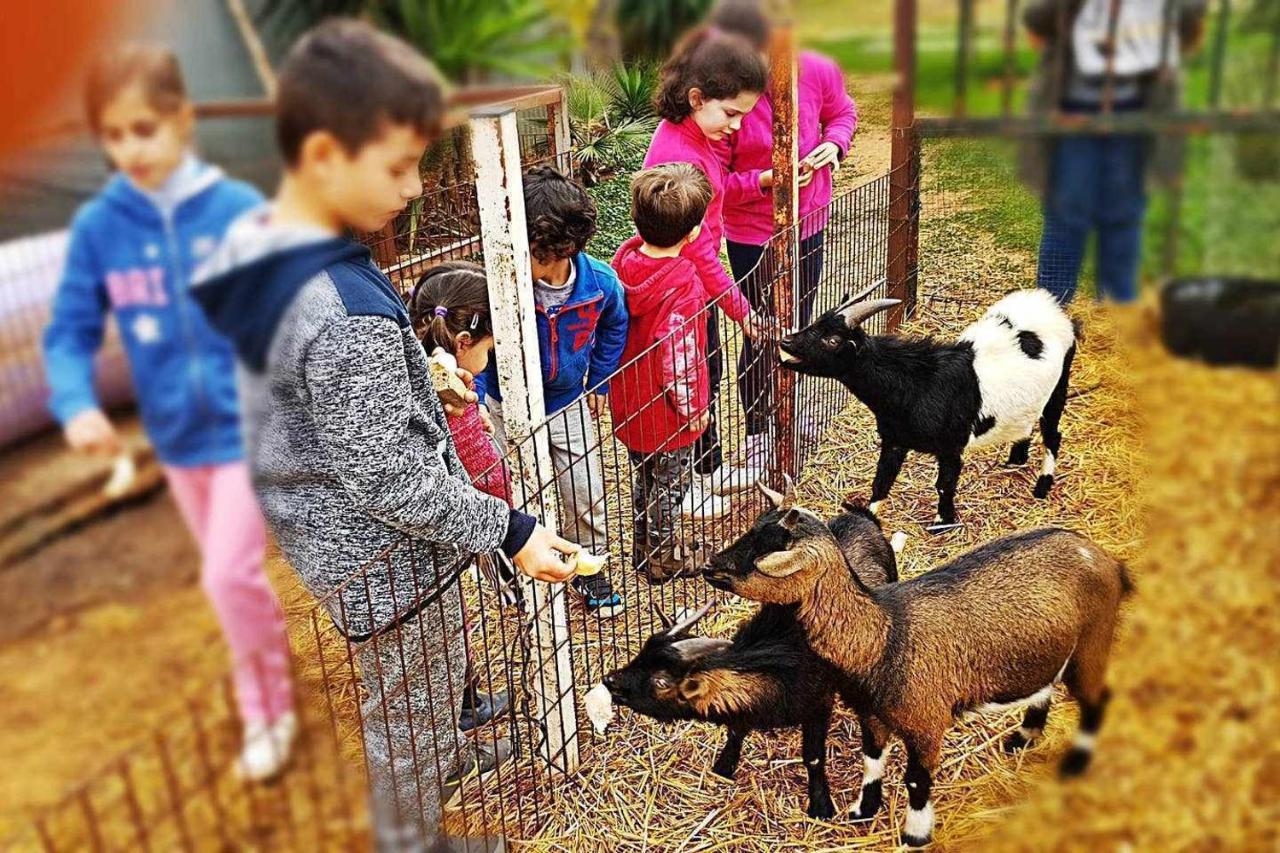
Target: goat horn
{"x":775,"y":498}
{"x":662,"y":617}
{"x":689,"y":621}
{"x":857,"y":312}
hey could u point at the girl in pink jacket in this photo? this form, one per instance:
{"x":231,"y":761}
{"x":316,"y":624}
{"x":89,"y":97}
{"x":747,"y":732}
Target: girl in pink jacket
{"x":826,"y":120}
{"x":712,"y":80}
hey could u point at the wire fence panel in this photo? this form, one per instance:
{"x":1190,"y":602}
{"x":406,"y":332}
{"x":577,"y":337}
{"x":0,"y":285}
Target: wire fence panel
{"x":383,"y":689}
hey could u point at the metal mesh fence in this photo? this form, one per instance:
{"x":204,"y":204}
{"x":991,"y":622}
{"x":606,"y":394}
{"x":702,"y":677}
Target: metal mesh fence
{"x":381,"y":699}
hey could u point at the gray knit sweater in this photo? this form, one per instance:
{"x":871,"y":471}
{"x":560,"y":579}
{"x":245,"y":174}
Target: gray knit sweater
{"x":351,"y":456}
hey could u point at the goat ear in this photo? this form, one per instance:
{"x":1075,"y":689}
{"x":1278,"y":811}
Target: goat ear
{"x":781,"y":564}
{"x":693,"y":687}
{"x":694,"y":648}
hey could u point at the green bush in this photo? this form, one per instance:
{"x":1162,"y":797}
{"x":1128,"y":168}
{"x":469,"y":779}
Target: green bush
{"x":613,"y":201}
{"x":611,"y":119}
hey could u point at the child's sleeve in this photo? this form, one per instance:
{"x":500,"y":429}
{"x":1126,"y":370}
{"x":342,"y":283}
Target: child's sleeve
{"x":486,"y":379}
{"x":361,"y":401}
{"x":739,"y":185}
{"x":838,"y":113}
{"x":706,"y":258}
{"x":75,"y":330}
{"x":611,"y":336}
{"x":680,"y":358}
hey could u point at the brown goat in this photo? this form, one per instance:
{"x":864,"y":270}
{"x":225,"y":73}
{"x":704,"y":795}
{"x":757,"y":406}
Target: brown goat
{"x":999,"y":625}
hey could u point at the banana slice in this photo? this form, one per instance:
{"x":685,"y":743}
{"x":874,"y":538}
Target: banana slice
{"x":123,"y":474}
{"x":586,"y":563}
{"x":599,"y":705}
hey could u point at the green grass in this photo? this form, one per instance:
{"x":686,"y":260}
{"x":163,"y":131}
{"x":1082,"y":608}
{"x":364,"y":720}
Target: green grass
{"x":1227,"y":224}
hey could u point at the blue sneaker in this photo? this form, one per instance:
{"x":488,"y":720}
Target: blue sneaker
{"x":479,"y":709}
{"x":598,"y":595}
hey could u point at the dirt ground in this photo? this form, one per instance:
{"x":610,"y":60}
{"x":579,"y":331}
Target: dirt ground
{"x":1173,"y":466}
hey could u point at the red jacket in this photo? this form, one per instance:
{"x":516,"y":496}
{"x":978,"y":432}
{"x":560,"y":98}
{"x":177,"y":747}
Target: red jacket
{"x":663,"y":385}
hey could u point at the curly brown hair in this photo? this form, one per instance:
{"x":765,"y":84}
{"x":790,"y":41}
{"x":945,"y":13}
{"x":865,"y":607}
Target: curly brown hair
{"x":561,"y":216}
{"x":720,"y":64}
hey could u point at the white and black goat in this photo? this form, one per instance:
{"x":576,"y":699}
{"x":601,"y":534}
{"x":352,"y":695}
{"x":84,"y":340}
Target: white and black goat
{"x":996,"y":626}
{"x":1007,"y":370}
{"x":766,"y":677}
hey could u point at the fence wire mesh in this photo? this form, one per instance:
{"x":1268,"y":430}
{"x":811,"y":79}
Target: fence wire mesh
{"x":383,"y":688}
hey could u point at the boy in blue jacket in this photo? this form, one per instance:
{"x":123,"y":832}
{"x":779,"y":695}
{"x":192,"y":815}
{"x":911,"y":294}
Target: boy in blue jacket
{"x":582,"y":329}
{"x":132,"y":251}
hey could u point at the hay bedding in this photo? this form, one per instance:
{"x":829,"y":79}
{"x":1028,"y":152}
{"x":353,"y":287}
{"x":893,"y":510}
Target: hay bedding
{"x":648,"y":786}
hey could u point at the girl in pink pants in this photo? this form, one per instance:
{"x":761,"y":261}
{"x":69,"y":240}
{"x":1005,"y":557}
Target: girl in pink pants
{"x":219,"y":507}
{"x":132,"y":250}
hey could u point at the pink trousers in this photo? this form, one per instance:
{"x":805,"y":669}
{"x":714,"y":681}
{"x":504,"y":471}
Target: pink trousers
{"x":219,"y":507}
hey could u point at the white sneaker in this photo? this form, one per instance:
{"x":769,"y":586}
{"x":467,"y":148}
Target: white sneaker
{"x":701,"y":501}
{"x":757,"y":455}
{"x":266,"y":748}
{"x":730,"y":481}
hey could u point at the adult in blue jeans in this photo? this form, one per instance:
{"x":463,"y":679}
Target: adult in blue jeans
{"x":1096,"y":184}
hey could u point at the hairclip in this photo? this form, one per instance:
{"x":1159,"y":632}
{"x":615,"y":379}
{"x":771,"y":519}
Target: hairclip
{"x":441,"y":311}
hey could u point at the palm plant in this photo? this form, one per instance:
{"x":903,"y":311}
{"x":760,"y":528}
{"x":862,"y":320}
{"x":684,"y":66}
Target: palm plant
{"x":611,"y":120}
{"x":469,"y":40}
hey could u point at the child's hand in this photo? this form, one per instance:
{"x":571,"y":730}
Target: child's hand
{"x":91,"y":432}
{"x":759,"y":328}
{"x":540,"y":560}
{"x":701,"y":422}
{"x":454,"y":409}
{"x":598,"y":404}
{"x":826,"y":154}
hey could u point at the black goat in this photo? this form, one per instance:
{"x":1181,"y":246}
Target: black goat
{"x":766,"y":677}
{"x":1006,"y":370}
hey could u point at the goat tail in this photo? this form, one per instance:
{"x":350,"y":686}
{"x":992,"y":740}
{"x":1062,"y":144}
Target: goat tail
{"x":1077,"y":328}
{"x":1127,"y":586}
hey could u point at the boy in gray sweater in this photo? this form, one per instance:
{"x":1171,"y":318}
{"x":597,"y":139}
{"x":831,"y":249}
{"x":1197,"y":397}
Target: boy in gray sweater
{"x":347,"y":441}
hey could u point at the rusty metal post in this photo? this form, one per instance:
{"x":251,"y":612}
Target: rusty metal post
{"x":786,"y":240}
{"x":904,"y":184}
{"x":495,"y":144}
{"x":558,"y":133}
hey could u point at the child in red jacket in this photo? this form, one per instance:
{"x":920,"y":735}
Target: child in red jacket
{"x":661,"y":399}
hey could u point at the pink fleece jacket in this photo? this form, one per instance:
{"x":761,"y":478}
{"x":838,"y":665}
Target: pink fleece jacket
{"x":684,"y":142}
{"x":827,"y":114}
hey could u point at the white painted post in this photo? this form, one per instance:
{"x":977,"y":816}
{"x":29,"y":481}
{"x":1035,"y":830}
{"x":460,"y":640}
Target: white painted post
{"x":495,"y":147}
{"x":559,"y":113}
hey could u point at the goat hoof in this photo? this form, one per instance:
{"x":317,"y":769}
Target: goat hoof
{"x":1015,"y":743}
{"x":868,"y":804}
{"x":1074,"y":763}
{"x":1043,"y":485}
{"x":914,"y":840}
{"x":822,"y":809}
{"x":724,"y":772}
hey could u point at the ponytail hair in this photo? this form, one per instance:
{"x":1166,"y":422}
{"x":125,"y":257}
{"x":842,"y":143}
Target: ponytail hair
{"x":719,"y":63}
{"x":449,"y":299}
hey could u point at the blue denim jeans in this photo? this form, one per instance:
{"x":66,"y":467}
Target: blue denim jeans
{"x":1096,"y":183}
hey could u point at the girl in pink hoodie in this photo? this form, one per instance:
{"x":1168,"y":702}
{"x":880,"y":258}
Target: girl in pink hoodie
{"x":712,"y":80}
{"x":826,"y":120}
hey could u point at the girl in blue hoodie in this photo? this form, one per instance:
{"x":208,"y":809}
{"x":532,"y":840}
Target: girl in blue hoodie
{"x":132,"y":251}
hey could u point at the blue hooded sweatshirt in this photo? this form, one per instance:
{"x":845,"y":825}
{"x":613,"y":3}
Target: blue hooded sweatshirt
{"x":134,"y":253}
{"x":580,"y":343}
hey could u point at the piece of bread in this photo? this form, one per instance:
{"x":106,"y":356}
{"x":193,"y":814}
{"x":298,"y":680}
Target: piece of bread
{"x":444,"y":378}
